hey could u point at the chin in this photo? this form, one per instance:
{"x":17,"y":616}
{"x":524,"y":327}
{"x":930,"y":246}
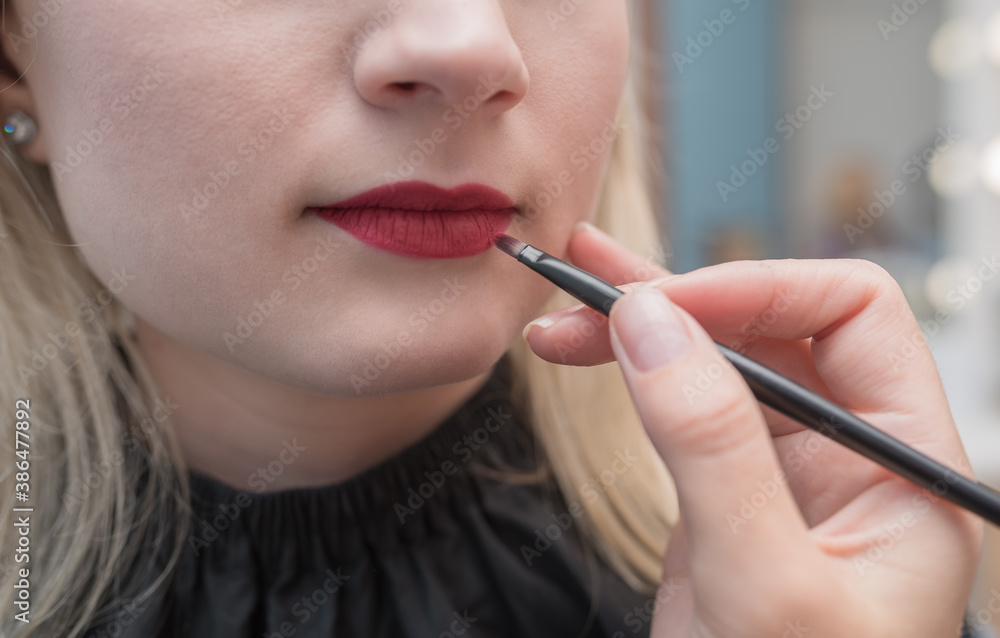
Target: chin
{"x":383,"y":368}
{"x":403,"y":377}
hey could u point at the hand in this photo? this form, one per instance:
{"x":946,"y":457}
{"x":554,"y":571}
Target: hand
{"x":783,"y":532}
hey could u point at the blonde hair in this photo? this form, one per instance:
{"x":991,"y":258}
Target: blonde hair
{"x":110,"y":511}
{"x":630,"y":524}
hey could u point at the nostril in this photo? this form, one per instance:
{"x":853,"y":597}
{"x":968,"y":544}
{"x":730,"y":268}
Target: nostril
{"x":405,"y":86}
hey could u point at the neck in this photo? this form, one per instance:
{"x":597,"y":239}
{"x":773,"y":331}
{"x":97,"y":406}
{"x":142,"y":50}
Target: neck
{"x":258,"y":435}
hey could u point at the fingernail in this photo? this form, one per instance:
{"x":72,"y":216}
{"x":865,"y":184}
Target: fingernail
{"x":648,"y":327}
{"x":541,"y":322}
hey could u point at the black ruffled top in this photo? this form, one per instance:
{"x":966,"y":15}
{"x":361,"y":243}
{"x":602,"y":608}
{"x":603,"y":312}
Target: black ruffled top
{"x":433,"y":542}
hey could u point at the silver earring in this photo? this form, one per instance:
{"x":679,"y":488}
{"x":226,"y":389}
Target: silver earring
{"x":20,"y":128}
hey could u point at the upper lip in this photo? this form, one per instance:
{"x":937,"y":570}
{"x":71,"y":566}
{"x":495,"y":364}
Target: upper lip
{"x":423,"y":196}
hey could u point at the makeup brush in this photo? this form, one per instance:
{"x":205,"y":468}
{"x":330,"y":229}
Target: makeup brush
{"x":786,"y":396}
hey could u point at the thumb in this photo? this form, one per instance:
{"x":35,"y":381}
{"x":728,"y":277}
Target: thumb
{"x":705,"y":423}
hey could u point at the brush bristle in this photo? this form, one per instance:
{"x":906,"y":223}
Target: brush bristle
{"x":509,"y":245}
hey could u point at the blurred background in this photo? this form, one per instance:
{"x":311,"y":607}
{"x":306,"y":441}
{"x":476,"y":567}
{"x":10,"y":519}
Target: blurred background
{"x":855,"y":128}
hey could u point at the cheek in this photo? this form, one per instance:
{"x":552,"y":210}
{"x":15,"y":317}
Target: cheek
{"x":579,"y":68}
{"x":164,"y":141}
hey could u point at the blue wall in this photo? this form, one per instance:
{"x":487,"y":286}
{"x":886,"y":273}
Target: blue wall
{"x":723,"y":95}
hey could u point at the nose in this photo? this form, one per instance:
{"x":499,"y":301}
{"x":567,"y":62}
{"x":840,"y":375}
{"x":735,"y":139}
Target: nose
{"x":451,"y":52}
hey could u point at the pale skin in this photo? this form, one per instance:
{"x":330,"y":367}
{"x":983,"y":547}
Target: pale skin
{"x":340,"y":113}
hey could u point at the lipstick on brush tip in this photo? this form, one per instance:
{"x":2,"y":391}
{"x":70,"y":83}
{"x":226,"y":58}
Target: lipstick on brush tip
{"x":785,"y":396}
{"x":509,"y":245}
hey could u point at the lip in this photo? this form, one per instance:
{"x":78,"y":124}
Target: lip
{"x":421,"y":220}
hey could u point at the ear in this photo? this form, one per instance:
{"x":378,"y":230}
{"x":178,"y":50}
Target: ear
{"x":16,"y":54}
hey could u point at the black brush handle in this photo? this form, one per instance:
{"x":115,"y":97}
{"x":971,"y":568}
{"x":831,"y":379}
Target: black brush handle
{"x":833,"y":421}
{"x":798,"y":403}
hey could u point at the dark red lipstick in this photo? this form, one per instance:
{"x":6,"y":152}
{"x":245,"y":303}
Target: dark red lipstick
{"x":417,"y":219}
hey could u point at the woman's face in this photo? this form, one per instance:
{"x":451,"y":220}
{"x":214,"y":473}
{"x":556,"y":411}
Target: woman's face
{"x":188,"y":138}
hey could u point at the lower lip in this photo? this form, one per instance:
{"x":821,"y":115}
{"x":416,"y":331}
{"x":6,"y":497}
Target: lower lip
{"x":422,"y":234}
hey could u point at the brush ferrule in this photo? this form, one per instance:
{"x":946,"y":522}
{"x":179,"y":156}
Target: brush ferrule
{"x":530,"y":254}
{"x":588,"y":288}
